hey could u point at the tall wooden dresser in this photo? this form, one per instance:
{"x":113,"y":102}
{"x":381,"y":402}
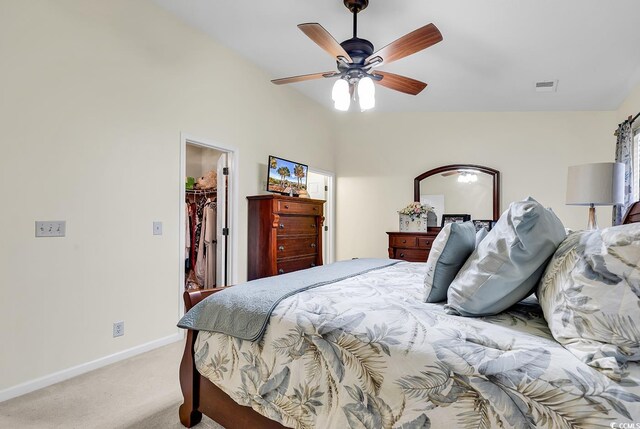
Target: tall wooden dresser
{"x":411,"y":246}
{"x":284,"y":235}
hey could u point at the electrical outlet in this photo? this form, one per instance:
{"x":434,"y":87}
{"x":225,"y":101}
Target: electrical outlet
{"x":51,"y":228}
{"x":118,"y":329}
{"x":157,"y":228}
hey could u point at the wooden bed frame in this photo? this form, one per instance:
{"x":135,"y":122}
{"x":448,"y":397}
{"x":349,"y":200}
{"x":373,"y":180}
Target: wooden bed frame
{"x":201,"y":396}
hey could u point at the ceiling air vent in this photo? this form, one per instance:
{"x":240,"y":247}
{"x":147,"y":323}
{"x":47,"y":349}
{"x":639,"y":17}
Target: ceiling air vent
{"x":547,"y":86}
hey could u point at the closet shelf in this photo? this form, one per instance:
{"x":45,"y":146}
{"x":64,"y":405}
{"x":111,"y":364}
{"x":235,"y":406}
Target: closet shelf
{"x":201,"y":191}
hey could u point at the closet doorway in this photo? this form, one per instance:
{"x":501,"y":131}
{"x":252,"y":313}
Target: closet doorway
{"x":320,"y":187}
{"x":208,"y":201}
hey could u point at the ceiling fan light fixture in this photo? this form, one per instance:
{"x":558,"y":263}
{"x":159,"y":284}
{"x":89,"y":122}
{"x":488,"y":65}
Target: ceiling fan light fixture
{"x":340,"y":95}
{"x":366,"y":93}
{"x":466,"y":177}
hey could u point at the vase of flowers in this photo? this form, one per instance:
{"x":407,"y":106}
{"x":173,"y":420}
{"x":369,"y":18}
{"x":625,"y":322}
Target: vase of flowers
{"x":413,"y":218}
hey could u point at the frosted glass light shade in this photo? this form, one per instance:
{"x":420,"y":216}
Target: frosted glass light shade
{"x":599,"y":184}
{"x":367,"y":93}
{"x":467,"y":178}
{"x":340,"y":95}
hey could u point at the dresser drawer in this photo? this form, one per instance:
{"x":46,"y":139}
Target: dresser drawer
{"x":403,"y":241}
{"x":299,"y":246}
{"x":411,"y":255}
{"x":297,"y":225}
{"x":294,"y":207}
{"x":291,"y":265}
{"x":424,"y":242}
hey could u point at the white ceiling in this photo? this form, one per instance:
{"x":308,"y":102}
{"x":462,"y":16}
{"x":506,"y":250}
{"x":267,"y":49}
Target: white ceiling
{"x":492,"y":54}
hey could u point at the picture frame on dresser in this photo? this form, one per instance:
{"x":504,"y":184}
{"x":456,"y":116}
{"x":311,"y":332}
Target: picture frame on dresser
{"x":483,"y":223}
{"x":454,"y":218}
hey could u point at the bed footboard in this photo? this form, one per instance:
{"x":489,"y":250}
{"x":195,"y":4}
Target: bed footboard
{"x":189,"y":376}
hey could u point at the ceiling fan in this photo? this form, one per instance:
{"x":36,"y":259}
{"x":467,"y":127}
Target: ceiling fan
{"x":465,"y":176}
{"x":357,"y":60}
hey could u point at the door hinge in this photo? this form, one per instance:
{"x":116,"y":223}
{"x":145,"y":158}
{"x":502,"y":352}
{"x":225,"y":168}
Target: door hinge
{"x":225,"y":171}
{"x":326,"y":228}
{"x":225,"y":231}
{"x":326,"y":188}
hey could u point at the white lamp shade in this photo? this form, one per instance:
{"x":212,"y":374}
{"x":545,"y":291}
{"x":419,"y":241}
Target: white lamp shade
{"x":600,"y":184}
{"x":366,"y":93}
{"x":340,"y":95}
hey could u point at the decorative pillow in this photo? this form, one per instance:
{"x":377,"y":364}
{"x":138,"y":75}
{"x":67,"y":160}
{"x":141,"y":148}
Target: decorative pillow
{"x":508,"y":263}
{"x":480,"y":235}
{"x":449,"y":251}
{"x":590,"y":296}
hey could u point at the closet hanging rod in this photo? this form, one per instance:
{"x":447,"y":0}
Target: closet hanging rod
{"x":201,"y":191}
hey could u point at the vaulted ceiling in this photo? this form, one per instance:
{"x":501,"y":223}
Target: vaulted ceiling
{"x":492,"y":54}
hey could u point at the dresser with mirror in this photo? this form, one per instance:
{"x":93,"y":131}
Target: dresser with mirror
{"x":458,"y":189}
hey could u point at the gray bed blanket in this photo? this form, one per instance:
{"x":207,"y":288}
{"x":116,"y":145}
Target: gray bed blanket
{"x":243,"y":311}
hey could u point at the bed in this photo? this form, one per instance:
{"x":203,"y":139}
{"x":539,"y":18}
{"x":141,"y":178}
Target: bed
{"x":387,"y":359}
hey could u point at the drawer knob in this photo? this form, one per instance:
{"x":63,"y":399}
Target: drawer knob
{"x":404,"y":241}
{"x":402,"y":255}
{"x":313,"y":264}
{"x":315,"y":209}
{"x":281,"y":248}
{"x":281,"y":226}
{"x":313,"y":225}
{"x":286,"y":206}
{"x":313,"y":245}
{"x":280,"y":271}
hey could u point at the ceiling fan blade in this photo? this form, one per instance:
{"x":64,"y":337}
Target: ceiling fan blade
{"x":408,"y":44}
{"x":302,"y":78}
{"x":400,"y":83}
{"x":324,"y":39}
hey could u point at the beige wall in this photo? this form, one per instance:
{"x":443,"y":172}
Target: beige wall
{"x":200,"y":160}
{"x":94,"y":96}
{"x":630,"y":107}
{"x":378,"y":155}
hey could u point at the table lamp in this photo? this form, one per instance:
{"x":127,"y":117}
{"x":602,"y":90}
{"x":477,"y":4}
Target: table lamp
{"x":599,"y":184}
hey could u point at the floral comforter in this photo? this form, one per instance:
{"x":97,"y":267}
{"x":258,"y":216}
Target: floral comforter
{"x":368,"y":353}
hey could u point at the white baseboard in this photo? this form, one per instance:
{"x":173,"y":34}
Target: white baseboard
{"x":65,"y":374}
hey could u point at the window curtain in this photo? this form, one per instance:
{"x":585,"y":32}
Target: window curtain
{"x":624,"y":154}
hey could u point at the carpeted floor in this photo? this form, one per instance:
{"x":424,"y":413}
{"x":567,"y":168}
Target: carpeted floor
{"x":140,"y":392}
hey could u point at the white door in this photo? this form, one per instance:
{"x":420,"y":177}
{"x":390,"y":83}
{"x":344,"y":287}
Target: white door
{"x":222,"y":227}
{"x":318,"y":188}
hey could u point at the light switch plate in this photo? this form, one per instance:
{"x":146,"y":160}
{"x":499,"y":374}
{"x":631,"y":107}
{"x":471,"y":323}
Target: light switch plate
{"x":157,"y":228}
{"x":51,"y":228}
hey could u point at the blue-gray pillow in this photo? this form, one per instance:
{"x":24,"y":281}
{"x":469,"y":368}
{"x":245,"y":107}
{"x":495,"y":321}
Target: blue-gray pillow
{"x":508,"y":263}
{"x":449,"y":251}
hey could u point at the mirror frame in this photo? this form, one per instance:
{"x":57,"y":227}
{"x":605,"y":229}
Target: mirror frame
{"x":480,"y":168}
